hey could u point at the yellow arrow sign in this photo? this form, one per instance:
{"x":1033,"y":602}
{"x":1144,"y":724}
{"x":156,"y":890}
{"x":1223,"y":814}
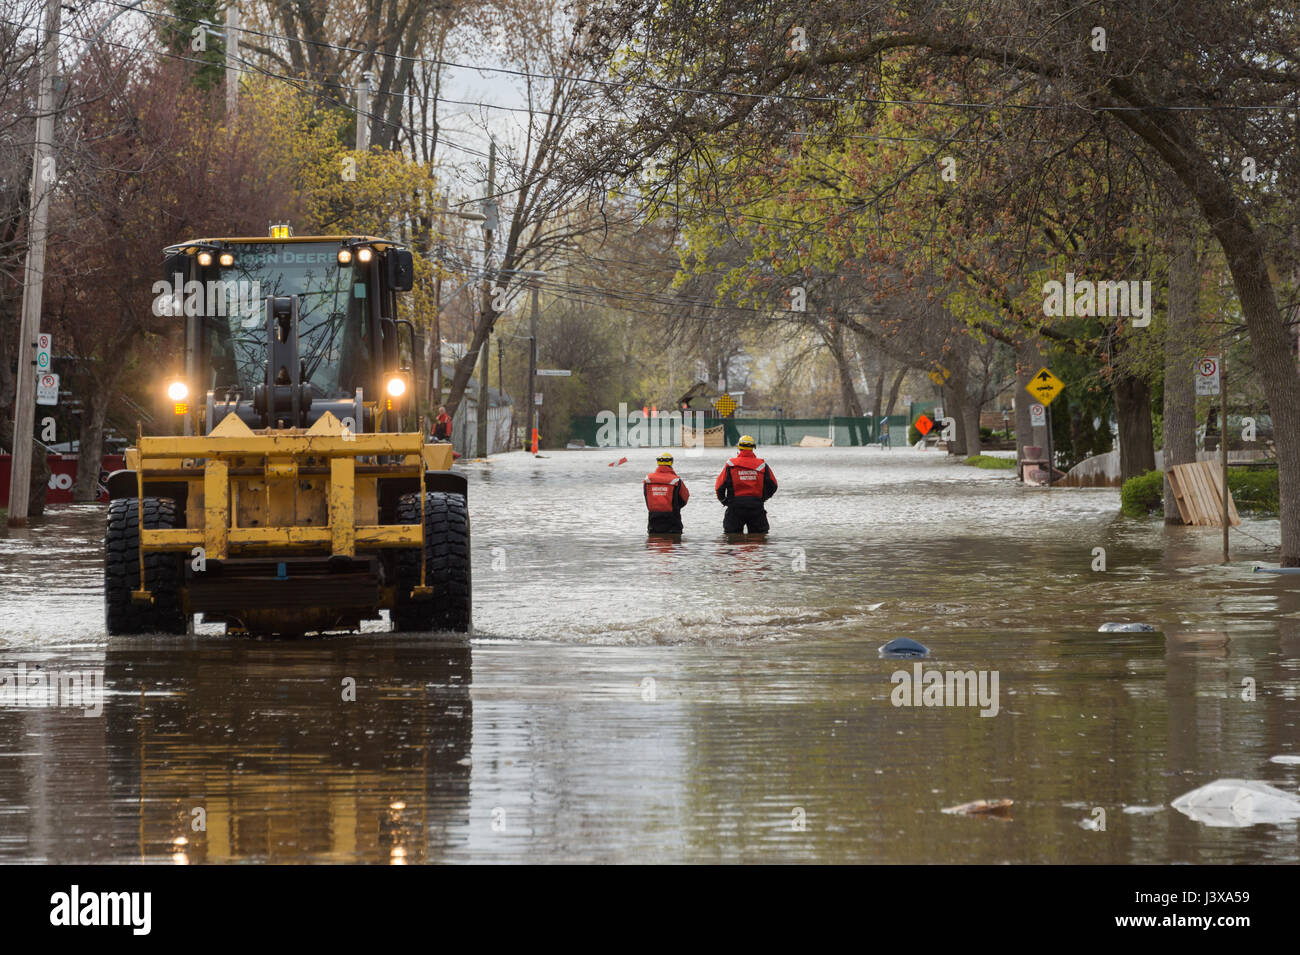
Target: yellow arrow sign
{"x":1045,"y":386}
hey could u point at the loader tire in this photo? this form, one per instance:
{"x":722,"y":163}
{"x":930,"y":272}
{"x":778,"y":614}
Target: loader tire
{"x":163,"y":573}
{"x":446,"y":549}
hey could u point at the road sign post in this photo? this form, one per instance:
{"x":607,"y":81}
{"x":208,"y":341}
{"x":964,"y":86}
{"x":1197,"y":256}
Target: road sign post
{"x":1045,"y":386}
{"x":1208,"y":380}
{"x":47,"y":389}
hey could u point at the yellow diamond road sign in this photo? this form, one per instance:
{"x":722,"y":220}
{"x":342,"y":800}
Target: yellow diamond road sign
{"x":1045,"y":386}
{"x":725,"y":406}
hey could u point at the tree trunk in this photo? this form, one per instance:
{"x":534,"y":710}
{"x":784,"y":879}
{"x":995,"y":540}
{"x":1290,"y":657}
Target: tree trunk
{"x":954,"y":406}
{"x":1180,"y":361}
{"x":970,"y":423}
{"x":834,"y":340}
{"x":893,"y":389}
{"x":1029,"y":358}
{"x":848,"y":393}
{"x":469,"y":361}
{"x":1137,"y":453}
{"x":90,"y":445}
{"x":878,"y":398}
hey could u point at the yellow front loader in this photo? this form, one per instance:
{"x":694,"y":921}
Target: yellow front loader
{"x":296,"y":493}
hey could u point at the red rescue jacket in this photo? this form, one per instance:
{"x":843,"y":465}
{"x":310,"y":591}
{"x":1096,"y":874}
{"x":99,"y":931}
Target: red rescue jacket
{"x":664,"y":491}
{"x":442,"y":426}
{"x":745,"y":476}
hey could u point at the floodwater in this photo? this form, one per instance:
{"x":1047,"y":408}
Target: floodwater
{"x":702,"y":700}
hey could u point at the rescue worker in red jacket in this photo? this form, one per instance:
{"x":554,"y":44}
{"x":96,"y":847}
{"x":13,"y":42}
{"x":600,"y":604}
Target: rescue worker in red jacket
{"x":442,"y":425}
{"x":745,"y":483}
{"x":665,"y":496}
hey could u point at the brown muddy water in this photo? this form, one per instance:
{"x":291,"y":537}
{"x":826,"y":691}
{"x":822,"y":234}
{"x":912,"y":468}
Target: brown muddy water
{"x":697,"y":701}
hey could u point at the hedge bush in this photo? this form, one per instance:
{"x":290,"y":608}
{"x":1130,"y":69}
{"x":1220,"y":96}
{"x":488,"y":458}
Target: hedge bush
{"x":990,"y":463}
{"x":1254,"y":489}
{"x":1143,"y":494}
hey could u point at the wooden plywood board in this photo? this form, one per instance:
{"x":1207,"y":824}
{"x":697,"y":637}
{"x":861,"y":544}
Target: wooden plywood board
{"x":1198,"y":492}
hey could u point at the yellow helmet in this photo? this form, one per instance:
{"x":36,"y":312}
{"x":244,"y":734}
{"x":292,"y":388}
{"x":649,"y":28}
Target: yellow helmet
{"x":745,"y":442}
{"x":665,"y":458}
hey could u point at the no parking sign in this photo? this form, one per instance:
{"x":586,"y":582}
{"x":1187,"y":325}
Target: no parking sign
{"x":47,"y":389}
{"x":1207,"y":375}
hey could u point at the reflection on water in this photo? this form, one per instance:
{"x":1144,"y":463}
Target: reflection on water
{"x":659,"y":699}
{"x":345,"y":750}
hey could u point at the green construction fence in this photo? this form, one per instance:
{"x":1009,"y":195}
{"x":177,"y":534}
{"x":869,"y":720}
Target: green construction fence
{"x":844,"y":431}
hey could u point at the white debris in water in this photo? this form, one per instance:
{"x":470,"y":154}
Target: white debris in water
{"x":1287,"y":759}
{"x":1234,"y":803}
{"x":1143,"y":810}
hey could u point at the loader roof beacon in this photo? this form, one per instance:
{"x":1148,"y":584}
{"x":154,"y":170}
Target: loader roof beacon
{"x":294,"y":492}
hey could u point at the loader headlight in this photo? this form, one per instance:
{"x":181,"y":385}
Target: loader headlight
{"x":365,"y":254}
{"x":396,"y":387}
{"x":226,"y":260}
{"x":345,"y":256}
{"x":178,"y":391}
{"x":205,"y":259}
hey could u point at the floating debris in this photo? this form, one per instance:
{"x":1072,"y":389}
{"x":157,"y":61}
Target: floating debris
{"x":1000,"y":808}
{"x":1285,"y":759}
{"x":901,"y":648}
{"x":1126,"y":628}
{"x":1236,"y":803}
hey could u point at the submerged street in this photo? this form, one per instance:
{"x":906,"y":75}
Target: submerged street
{"x":698,"y":700}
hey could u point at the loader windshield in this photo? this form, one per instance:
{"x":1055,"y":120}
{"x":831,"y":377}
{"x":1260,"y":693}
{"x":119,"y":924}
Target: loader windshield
{"x":333,"y":329}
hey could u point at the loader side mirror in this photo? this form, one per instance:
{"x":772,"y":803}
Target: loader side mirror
{"x":401,"y":270}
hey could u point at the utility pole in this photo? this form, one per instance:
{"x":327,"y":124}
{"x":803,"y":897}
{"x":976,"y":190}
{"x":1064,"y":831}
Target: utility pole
{"x":501,"y":357}
{"x":43,"y":178}
{"x":531,"y":437}
{"x":1223,"y":441}
{"x":363,"y":112}
{"x":489,"y":224}
{"x":436,"y":372}
{"x":232,"y":58}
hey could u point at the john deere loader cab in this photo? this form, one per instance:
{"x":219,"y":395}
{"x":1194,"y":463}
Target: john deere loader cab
{"x":296,"y":492}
